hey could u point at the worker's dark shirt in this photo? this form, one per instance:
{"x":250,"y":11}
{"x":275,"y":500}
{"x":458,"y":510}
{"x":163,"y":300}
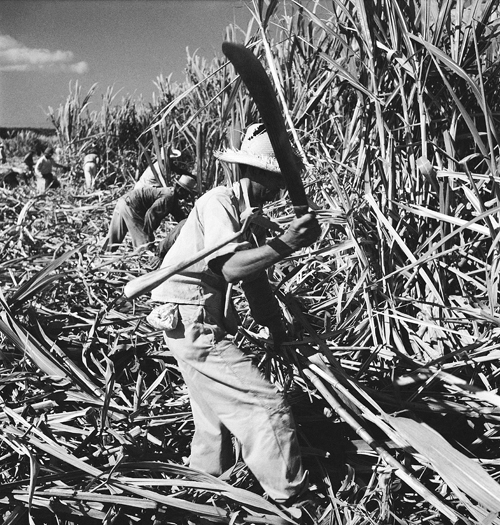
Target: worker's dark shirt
{"x":154,"y":204}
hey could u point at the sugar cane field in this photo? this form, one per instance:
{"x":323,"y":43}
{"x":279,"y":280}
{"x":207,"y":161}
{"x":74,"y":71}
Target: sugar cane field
{"x":392,"y":368}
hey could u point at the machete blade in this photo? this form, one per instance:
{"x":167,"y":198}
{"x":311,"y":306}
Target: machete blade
{"x":255,"y":78}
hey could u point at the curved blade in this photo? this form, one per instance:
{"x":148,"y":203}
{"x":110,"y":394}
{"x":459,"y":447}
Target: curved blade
{"x":256,"y":80}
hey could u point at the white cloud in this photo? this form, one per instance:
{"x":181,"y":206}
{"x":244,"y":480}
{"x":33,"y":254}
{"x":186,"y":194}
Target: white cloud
{"x":80,"y":68}
{"x":15,"y":56}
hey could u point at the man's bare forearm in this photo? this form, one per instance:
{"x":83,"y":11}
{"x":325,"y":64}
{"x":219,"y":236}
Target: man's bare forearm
{"x":246,"y":265}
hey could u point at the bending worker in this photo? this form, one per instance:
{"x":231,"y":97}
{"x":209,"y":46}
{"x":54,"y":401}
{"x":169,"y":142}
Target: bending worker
{"x":141,"y":211}
{"x":44,"y":168}
{"x":228,"y":393}
{"x":91,"y":162}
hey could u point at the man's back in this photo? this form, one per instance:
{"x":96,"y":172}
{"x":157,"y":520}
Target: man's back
{"x":143,"y":198}
{"x":148,"y":178}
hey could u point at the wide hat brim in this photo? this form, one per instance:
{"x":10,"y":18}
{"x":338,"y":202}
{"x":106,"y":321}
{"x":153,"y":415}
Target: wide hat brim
{"x":240,"y":157}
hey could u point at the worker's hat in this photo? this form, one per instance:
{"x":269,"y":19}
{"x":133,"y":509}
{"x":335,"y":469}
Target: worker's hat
{"x":188,"y":183}
{"x":256,"y":150}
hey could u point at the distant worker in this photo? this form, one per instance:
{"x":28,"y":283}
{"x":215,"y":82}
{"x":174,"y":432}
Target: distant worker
{"x":58,"y":154}
{"x":141,"y":211}
{"x":3,"y":155}
{"x":91,"y":162}
{"x":44,"y":167}
{"x":150,"y":178}
{"x":30,"y":165}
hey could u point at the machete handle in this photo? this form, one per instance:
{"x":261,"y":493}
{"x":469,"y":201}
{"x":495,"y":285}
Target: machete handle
{"x":300,"y":210}
{"x":147,"y":282}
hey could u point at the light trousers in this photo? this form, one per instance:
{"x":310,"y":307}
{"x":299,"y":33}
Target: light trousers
{"x":229,"y":395}
{"x":44,"y":183}
{"x":124,"y":220}
{"x":90,"y":172}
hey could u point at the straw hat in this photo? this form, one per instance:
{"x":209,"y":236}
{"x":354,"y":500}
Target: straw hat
{"x":256,"y":150}
{"x":188,"y":183}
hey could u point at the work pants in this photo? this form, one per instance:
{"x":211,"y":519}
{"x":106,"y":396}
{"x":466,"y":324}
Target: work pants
{"x":90,"y":171}
{"x":124,"y":220}
{"x":43,"y":183}
{"x":229,"y":395}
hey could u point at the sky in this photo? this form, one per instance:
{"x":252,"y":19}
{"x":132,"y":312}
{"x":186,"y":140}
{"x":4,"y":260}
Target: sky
{"x":46,"y":45}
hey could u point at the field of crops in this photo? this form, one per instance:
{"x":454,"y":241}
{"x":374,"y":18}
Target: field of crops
{"x":393,"y":371}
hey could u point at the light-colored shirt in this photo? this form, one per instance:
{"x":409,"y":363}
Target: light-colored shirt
{"x":44,"y":166}
{"x":214,"y":218}
{"x":91,"y":158}
{"x":148,"y":178}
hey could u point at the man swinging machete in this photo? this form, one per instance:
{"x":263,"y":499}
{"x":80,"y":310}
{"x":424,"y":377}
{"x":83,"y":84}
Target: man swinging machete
{"x":229,"y":395}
